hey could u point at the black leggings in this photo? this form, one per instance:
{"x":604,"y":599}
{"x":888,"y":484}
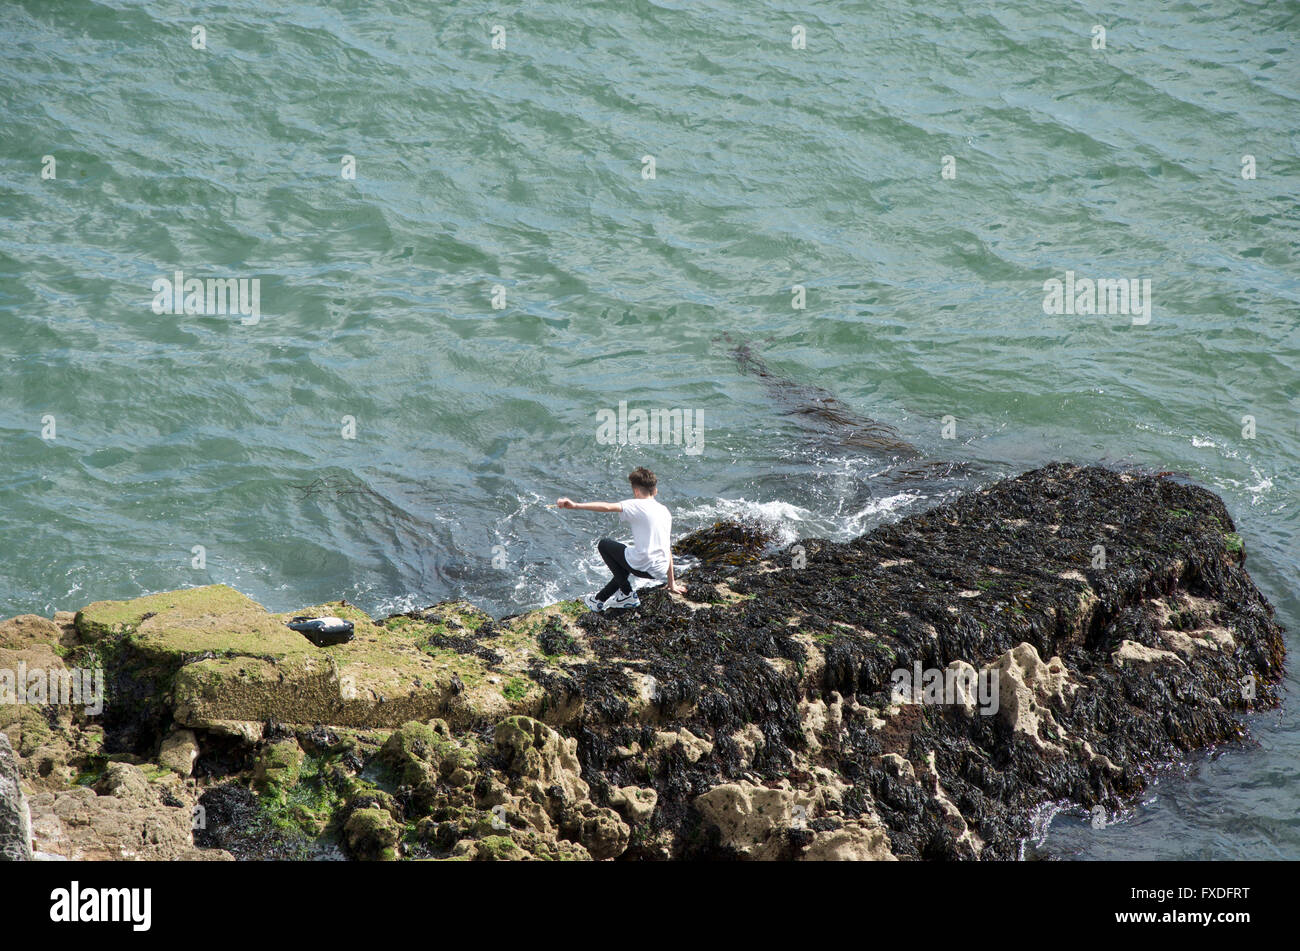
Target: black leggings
{"x":615,"y":557}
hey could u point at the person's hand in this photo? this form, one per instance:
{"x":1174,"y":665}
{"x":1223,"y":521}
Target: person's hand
{"x":677,"y":588}
{"x":565,"y":503}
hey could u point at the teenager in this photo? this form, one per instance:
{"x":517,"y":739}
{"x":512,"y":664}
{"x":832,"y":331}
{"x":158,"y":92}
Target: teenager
{"x":649,"y":556}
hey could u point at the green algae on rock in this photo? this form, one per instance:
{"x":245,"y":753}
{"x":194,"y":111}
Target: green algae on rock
{"x":230,"y":665}
{"x":754,"y":719}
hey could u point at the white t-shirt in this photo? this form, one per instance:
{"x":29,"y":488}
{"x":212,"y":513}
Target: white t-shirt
{"x":652,"y":530}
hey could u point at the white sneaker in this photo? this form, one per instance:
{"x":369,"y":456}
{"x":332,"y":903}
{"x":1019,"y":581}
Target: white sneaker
{"x":590,"y":601}
{"x":621,"y":600}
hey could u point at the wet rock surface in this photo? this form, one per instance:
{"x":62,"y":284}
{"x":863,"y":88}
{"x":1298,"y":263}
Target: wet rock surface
{"x":1095,"y":624}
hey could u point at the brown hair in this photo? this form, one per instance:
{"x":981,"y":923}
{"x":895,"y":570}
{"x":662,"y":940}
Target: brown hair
{"x":642,"y":478}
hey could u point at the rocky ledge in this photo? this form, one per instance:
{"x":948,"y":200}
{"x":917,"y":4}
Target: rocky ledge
{"x":1095,"y":624}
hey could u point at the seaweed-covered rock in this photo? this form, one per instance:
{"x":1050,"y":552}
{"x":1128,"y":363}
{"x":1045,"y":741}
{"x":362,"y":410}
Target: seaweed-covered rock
{"x":726,"y":543}
{"x":918,"y":692}
{"x":278,"y":767}
{"x":1111,"y":611}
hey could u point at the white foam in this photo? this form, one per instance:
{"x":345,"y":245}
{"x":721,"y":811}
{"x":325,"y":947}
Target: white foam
{"x":1257,"y":491}
{"x":545,"y":582}
{"x":875,"y":512}
{"x":400,"y":604}
{"x":782,"y":519}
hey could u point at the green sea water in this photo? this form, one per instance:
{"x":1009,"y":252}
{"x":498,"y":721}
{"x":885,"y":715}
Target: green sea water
{"x":383,"y":432}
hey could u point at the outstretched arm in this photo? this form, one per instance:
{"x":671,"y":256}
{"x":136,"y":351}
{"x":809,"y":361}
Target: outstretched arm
{"x":589,"y":506}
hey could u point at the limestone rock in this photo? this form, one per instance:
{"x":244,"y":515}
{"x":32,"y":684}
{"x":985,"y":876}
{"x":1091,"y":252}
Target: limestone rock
{"x":1026,"y":685}
{"x":15,"y":819}
{"x":30,"y":721}
{"x":728,"y":725}
{"x":517,"y":848}
{"x":1131,"y":653}
{"x":127,"y":782}
{"x":28,"y":629}
{"x":180,"y":750}
{"x":856,"y":841}
{"x":372,"y":835}
{"x":636,"y":803}
{"x":131,"y":821}
{"x":749,"y":742}
{"x":692,"y":746}
{"x":227,"y":661}
{"x":749,"y":817}
{"x":600,"y":831}
{"x":278,"y":767}
{"x":544,"y":769}
{"x":536,"y":752}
